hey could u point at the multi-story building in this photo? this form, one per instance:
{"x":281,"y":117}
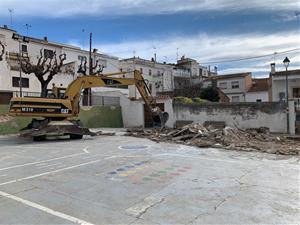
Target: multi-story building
{"x":278,"y":89}
{"x":11,"y":77}
{"x":159,"y":76}
{"x":188,"y":73}
{"x":278,"y":84}
{"x":235,"y":86}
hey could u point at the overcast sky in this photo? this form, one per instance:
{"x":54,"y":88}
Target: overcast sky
{"x":211,"y":31}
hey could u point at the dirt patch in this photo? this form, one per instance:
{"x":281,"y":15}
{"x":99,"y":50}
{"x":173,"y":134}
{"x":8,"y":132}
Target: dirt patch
{"x":228,"y":138}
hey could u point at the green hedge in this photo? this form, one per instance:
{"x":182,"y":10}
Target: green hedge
{"x":187,"y":100}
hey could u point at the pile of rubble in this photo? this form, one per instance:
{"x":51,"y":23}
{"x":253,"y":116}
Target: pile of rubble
{"x":228,"y":138}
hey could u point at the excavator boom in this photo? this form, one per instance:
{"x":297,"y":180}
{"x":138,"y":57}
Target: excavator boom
{"x":62,"y":107}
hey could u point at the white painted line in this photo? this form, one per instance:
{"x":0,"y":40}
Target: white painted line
{"x":86,"y":149}
{"x":3,"y":175}
{"x":51,"y":172}
{"x":45,"y":209}
{"x":47,"y":165}
{"x":38,"y":162}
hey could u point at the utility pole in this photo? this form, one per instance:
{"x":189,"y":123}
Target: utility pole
{"x":90,"y":70}
{"x":90,"y":56}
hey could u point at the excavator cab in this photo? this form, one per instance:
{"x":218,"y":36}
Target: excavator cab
{"x":56,"y":92}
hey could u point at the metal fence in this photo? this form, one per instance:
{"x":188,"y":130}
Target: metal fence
{"x":105,"y":101}
{"x":26,"y":94}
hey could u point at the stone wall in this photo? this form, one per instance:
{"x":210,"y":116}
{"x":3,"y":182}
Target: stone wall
{"x":241,"y":115}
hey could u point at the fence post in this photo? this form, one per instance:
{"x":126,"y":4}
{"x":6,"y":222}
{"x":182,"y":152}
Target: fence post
{"x":292,"y":117}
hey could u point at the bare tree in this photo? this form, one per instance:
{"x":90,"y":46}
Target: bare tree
{"x":2,"y":51}
{"x":96,"y":69}
{"x":45,"y":68}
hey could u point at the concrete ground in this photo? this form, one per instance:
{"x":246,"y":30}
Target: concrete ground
{"x":126,"y":180}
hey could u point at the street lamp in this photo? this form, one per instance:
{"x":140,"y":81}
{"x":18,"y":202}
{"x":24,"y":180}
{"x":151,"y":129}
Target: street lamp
{"x":20,"y":39}
{"x":286,"y":63}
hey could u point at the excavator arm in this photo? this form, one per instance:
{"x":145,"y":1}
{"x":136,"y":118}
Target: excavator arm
{"x":109,"y":80}
{"x":58,"y":108}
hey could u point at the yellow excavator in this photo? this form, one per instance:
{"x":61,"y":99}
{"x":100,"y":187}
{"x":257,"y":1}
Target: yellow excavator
{"x":61,"y":107}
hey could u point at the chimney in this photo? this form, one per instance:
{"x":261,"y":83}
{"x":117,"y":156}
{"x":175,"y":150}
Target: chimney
{"x":5,"y":26}
{"x":45,"y":38}
{"x":273,"y":68}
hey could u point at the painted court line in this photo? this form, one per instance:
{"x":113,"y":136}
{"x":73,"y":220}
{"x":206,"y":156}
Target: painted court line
{"x":45,"y":209}
{"x":47,"y":165}
{"x":42,"y":161}
{"x":51,"y":172}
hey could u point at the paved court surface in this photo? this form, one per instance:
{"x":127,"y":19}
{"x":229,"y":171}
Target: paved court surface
{"x":125,"y":180}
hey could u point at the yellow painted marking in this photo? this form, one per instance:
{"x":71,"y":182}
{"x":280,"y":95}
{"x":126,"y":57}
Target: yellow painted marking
{"x":123,"y":175}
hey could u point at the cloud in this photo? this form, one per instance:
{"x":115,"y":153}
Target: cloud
{"x":208,"y":48}
{"x":58,"y":8}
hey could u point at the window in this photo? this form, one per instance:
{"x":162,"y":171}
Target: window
{"x":150,"y":72}
{"x":235,"y":84}
{"x":48,"y":53}
{"x":296,"y":92}
{"x":24,"y":48}
{"x":141,"y":70}
{"x":235,"y":98}
{"x":223,"y":85}
{"x":281,"y":96}
{"x":258,"y":100}
{"x":16,"y":82}
{"x":81,"y":58}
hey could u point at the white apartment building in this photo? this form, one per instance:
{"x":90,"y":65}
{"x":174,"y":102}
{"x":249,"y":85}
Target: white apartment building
{"x":235,"y":86}
{"x":9,"y":67}
{"x":158,"y":76}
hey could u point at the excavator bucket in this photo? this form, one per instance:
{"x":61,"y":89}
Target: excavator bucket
{"x":160,"y":119}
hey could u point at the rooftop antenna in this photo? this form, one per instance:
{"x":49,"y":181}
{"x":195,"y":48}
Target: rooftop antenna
{"x":27,"y":28}
{"x":177,"y":54}
{"x":134,"y":53}
{"x":154,"y":48}
{"x":11,"y":11}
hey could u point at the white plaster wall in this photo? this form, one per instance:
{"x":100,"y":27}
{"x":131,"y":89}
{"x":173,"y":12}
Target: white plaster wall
{"x":243,"y":118}
{"x":253,"y":96}
{"x":278,"y":85}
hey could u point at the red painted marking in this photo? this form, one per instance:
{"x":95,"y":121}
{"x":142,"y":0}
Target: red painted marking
{"x":187,"y":167}
{"x":175,"y":174}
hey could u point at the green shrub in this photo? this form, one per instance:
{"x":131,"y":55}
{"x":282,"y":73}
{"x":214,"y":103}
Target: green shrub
{"x":184,"y":100}
{"x":199,"y":100}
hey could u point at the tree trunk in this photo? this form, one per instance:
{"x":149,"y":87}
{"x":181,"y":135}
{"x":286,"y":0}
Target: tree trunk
{"x":44,"y":91}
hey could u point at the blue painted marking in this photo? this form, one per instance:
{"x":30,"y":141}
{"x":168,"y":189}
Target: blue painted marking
{"x":129,"y":166}
{"x":112,"y":172}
